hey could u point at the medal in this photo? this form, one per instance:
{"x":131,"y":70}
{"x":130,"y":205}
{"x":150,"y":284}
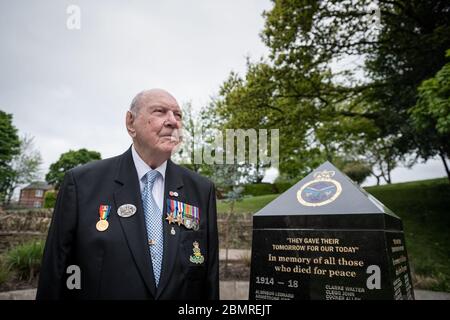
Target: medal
{"x":170,"y":218}
{"x":188,"y":223}
{"x":182,"y":213}
{"x":179,"y":219}
{"x":102,"y":225}
{"x":103,"y":212}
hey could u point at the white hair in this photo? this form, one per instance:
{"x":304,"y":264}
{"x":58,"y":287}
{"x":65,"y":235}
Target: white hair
{"x":135,"y":104}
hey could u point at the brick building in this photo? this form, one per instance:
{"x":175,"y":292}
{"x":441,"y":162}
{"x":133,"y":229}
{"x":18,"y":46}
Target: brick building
{"x":32,"y":196}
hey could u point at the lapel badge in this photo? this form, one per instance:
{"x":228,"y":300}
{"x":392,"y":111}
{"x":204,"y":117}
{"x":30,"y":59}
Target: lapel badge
{"x":197,"y":258}
{"x":173,"y":193}
{"x":126,"y":210}
{"x":172,"y":232}
{"x":103,"y":212}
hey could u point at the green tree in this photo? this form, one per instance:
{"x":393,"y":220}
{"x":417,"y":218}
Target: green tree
{"x":409,"y":49}
{"x":357,"y":170}
{"x":50,"y":199}
{"x":67,"y":161}
{"x":254,"y":103}
{"x":25,"y":166}
{"x":322,"y":104}
{"x":9,"y":147}
{"x":431,"y":115}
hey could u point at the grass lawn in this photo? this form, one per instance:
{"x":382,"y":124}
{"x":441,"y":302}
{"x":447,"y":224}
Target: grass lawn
{"x":424,"y":207}
{"x":247,"y":206}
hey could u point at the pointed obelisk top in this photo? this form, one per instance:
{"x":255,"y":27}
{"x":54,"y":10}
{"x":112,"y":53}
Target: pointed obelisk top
{"x":326,"y":190}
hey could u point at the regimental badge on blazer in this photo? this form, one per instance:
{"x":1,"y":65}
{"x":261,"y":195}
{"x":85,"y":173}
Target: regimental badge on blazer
{"x":197,"y":257}
{"x":183,"y":214}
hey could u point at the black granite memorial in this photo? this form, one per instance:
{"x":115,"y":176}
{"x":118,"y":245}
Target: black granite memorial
{"x":328,"y":239}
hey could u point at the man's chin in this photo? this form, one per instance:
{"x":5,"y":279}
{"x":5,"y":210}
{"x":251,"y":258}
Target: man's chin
{"x":168,"y":147}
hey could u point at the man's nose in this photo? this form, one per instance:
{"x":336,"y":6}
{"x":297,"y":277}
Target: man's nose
{"x":171,"y":120}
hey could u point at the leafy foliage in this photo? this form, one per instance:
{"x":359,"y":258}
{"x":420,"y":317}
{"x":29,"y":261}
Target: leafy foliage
{"x":9,"y":147}
{"x":25,"y":166}
{"x":431,"y":114}
{"x":50,"y":199}
{"x":327,"y":107}
{"x":67,"y":161}
{"x":25,"y":259}
{"x":357,"y":171}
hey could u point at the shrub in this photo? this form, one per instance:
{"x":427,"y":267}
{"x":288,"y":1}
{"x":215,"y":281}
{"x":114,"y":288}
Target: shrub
{"x":25,"y":259}
{"x":281,"y":187}
{"x":259,"y":189}
{"x":357,"y":171}
{"x":50,"y":199}
{"x":4,"y":272}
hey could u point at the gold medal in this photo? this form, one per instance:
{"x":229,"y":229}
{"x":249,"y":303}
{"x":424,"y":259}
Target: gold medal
{"x":102,"y":225}
{"x":103,"y":212}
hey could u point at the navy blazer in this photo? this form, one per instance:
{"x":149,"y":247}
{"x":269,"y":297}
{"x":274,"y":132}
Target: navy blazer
{"x":116,"y":263}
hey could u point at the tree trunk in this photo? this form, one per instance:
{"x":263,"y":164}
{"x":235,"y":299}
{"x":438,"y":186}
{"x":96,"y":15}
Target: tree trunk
{"x":388,"y":180}
{"x":445,"y":165}
{"x":227,"y":231}
{"x":376,"y":177}
{"x":225,"y":271}
{"x":9,"y":196}
{"x":389,"y":169}
{"x":384,"y":175}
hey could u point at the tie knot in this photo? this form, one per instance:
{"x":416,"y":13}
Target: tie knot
{"x":151,"y":176}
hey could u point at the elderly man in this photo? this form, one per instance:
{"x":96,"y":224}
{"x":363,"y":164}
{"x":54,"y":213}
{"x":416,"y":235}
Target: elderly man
{"x":136,"y":226}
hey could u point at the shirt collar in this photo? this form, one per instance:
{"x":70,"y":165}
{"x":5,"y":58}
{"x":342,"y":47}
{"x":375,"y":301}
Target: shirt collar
{"x":142,"y":168}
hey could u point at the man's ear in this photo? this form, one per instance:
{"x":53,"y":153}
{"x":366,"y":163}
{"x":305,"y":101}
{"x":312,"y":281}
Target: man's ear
{"x":129,"y":122}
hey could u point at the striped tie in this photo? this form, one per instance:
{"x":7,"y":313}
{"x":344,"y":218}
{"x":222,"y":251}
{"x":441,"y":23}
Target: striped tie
{"x":154,"y":223}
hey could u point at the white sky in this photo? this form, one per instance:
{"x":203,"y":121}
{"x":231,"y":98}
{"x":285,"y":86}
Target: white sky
{"x":70,"y":88}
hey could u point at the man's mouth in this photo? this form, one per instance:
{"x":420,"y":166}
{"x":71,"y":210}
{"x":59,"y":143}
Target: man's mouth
{"x":173,"y":137}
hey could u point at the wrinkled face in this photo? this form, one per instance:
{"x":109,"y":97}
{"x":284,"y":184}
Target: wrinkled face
{"x":157,"y":123}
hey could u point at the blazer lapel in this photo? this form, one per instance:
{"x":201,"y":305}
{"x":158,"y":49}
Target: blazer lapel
{"x":134,"y":227}
{"x":173,"y":182}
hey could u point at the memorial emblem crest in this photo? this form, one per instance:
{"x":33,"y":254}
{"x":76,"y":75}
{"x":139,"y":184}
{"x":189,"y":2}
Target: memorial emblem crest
{"x":320,"y":191}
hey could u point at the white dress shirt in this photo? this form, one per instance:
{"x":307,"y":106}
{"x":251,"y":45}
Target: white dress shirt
{"x":142,"y":168}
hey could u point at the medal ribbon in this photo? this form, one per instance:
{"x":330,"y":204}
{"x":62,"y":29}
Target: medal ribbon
{"x":104,"y":212}
{"x":196,"y":212}
{"x":185,"y":210}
